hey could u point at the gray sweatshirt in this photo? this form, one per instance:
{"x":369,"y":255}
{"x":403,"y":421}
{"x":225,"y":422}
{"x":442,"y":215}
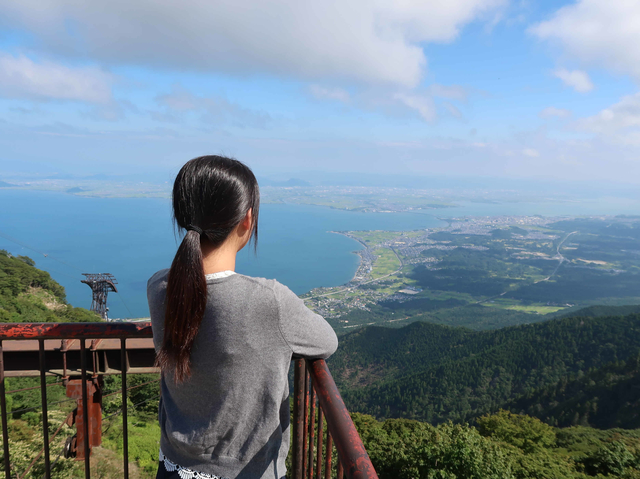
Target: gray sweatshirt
{"x":231,"y":417}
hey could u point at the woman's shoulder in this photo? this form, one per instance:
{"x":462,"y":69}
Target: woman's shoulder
{"x":158,"y":279}
{"x":257,"y":281}
{"x":269,"y":284}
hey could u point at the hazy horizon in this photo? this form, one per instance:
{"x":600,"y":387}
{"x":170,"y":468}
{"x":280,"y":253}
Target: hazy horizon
{"x":448,"y":184}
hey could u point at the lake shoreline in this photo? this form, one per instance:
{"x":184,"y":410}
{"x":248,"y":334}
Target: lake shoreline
{"x":132,"y":239}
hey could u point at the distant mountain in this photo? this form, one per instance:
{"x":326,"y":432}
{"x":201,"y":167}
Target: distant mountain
{"x":4,"y":184}
{"x":98,"y":176}
{"x":62,"y":176}
{"x":291,"y":182}
{"x":438,"y":373}
{"x":75,"y":189}
{"x":103,"y":177}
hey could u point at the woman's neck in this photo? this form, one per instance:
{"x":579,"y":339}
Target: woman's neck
{"x":222,"y":258}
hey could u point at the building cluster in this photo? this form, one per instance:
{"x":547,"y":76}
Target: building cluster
{"x":363,"y":290}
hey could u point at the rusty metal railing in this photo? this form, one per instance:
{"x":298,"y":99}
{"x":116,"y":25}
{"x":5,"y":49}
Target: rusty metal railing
{"x":89,"y":351}
{"x":313,"y":383}
{"x":61,"y":351}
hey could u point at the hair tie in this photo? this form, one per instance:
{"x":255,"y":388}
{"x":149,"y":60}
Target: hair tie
{"x":194,"y":228}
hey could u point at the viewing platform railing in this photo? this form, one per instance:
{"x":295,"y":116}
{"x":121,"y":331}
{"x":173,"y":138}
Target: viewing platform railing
{"x":325,"y":443}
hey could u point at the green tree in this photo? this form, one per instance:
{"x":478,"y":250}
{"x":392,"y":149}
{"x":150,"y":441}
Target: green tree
{"x":407,"y":449}
{"x":608,"y":459}
{"x":525,"y":432}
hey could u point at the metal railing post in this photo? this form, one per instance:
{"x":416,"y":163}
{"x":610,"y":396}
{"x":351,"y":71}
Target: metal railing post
{"x":85,"y":409}
{"x":319,"y":445}
{"x":298,"y":416}
{"x":305,"y":423}
{"x":352,"y":456}
{"x":327,"y":457}
{"x":125,"y":425}
{"x":45,"y":412}
{"x":312,"y":427}
{"x":3,"y":410}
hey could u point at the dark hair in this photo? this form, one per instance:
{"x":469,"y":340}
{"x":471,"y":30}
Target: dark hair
{"x":212,"y":194}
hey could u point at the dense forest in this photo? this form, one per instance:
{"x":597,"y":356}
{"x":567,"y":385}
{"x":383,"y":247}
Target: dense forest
{"x":437,"y":373}
{"x":605,"y":397}
{"x":500,"y":446}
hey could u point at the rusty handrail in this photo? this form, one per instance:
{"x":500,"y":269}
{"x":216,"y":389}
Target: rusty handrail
{"x":9,"y":331}
{"x":86,"y":426}
{"x":353,"y":455}
{"x":313,"y":382}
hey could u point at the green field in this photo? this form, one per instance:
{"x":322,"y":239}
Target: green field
{"x":528,"y":308}
{"x":386,"y":263}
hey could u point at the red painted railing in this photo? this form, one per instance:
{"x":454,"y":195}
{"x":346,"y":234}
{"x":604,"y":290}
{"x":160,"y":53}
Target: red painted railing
{"x":325,"y":443}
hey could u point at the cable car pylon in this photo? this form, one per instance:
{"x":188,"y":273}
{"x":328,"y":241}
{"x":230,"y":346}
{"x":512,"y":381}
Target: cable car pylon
{"x":100,"y":284}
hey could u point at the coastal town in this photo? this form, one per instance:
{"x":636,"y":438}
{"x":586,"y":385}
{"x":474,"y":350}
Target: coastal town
{"x":514,"y":246}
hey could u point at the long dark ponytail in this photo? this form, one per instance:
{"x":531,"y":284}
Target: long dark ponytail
{"x":211,"y":196}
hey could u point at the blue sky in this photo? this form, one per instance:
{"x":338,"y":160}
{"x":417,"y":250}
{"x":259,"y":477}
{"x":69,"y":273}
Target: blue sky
{"x":492,"y":88}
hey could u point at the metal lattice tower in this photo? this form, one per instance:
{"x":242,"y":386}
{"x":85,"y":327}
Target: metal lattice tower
{"x":100,"y":284}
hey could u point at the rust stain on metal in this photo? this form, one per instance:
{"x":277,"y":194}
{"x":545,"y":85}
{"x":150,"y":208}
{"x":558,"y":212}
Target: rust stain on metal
{"x":94,"y":409}
{"x":74,"y":330}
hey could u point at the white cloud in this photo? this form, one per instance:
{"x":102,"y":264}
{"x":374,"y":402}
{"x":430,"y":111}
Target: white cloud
{"x":21,"y":77}
{"x":179,"y":99}
{"x":428,"y":20}
{"x":373,"y":42}
{"x":597,"y":32}
{"x":423,"y":104}
{"x":218,"y":111}
{"x":453,"y":110}
{"x":620,"y":122}
{"x":452,"y":92}
{"x":429,"y":103}
{"x":531,"y":153}
{"x":552,"y":111}
{"x":576,"y":79}
{"x":112,"y":111}
{"x":320,"y":92}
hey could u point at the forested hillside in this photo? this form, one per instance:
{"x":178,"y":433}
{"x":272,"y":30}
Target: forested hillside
{"x":501,"y":446}
{"x":599,"y":310}
{"x":28,"y":294}
{"x":605,"y":397}
{"x":436,"y":373}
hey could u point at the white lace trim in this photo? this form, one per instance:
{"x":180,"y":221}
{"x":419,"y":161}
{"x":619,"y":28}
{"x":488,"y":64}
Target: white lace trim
{"x":219,"y":274}
{"x":184,"y":472}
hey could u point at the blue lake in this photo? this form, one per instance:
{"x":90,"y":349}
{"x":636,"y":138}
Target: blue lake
{"x":133,"y":237}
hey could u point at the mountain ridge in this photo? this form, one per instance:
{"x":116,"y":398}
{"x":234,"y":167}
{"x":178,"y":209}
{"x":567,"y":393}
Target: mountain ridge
{"x":438,"y":373}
